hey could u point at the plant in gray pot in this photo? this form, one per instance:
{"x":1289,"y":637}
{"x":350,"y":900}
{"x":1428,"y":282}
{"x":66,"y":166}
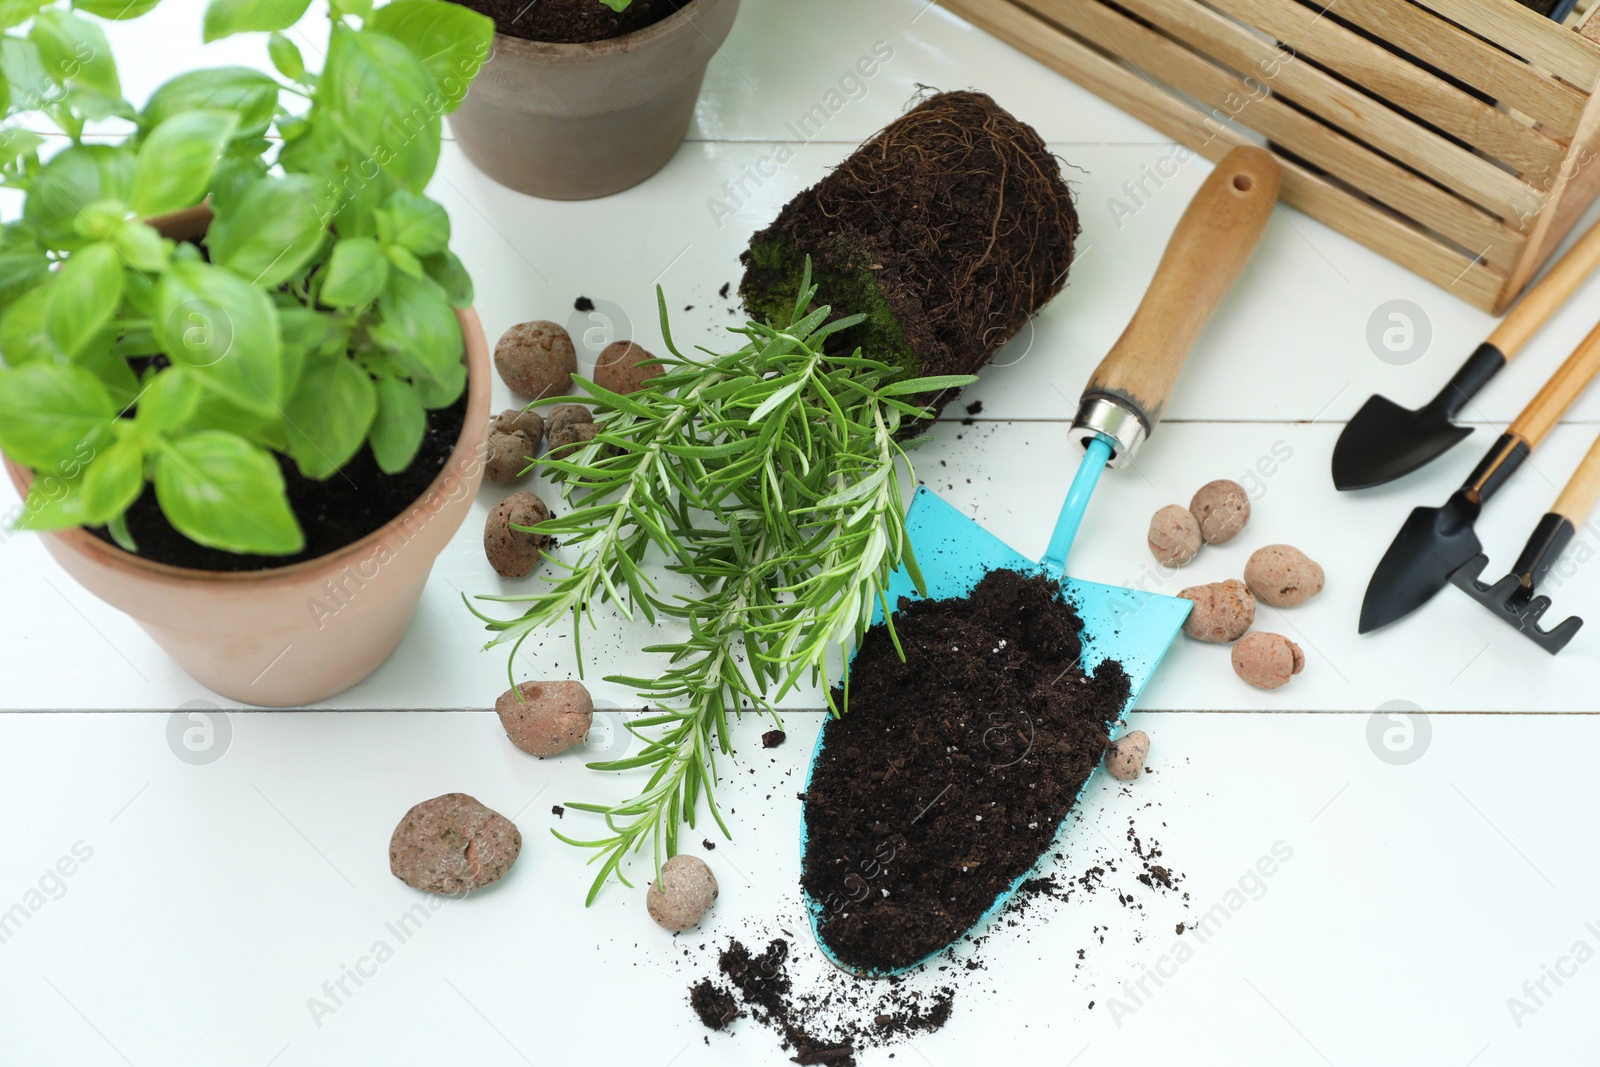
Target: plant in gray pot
{"x":585,"y":98}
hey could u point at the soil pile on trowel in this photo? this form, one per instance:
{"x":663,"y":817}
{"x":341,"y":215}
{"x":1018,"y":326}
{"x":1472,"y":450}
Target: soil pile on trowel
{"x":949,"y":774}
{"x":947,"y":229}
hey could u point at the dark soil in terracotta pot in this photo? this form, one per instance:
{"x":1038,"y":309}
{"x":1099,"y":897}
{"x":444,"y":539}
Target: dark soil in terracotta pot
{"x":354,"y":502}
{"x":946,"y":778}
{"x":571,"y":21}
{"x":948,"y":229}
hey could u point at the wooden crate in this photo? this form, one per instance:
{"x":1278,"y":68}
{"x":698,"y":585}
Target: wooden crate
{"x":1456,"y":137}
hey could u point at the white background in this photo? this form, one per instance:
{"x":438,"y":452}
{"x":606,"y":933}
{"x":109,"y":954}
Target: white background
{"x":219,"y":898}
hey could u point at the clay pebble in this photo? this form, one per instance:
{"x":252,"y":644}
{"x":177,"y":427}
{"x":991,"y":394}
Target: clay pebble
{"x":513,"y":553}
{"x":568,"y":439}
{"x":1222,"y":611}
{"x":1221,"y":508}
{"x":685,"y":891}
{"x":1174,"y":536}
{"x":618,"y":367}
{"x":536,"y":359}
{"x":529,"y":425}
{"x":546,"y":718}
{"x":452,"y":844}
{"x":507,"y":457}
{"x":1283,"y":576}
{"x":1126,"y":755}
{"x":564,"y":416}
{"x":1267,"y":660}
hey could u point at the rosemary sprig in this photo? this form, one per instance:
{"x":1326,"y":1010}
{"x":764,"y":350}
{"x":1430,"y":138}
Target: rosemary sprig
{"x":770,"y":476}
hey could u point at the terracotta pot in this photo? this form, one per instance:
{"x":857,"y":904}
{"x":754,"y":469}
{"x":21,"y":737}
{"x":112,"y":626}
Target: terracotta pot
{"x":298,"y":634}
{"x":576,"y":121}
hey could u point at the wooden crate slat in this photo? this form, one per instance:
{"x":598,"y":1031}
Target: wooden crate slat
{"x":1365,"y":118}
{"x":1381,"y":72}
{"x":1357,"y":219}
{"x":1575,"y":183}
{"x":1148,"y":53}
{"x":1527,"y":33}
{"x":1471,"y":59}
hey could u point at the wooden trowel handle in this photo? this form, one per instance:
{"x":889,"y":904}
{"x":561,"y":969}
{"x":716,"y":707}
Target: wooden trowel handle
{"x":1213,"y":241}
{"x":1545,"y":409}
{"x":1547,"y":297}
{"x":1578,"y":498}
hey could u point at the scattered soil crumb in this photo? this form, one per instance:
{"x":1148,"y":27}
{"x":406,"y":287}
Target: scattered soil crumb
{"x":773,"y":738}
{"x":583,"y":303}
{"x":558,"y":811}
{"x":825,"y":1026}
{"x":714,"y":1004}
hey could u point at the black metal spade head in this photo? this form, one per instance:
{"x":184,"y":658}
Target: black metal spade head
{"x":1512,"y":599}
{"x":1432,"y":544}
{"x":1384,"y":441}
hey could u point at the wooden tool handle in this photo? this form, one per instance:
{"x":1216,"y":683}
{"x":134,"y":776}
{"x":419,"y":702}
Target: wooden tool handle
{"x":1546,"y":297}
{"x":1578,"y":496}
{"x":1559,"y":392}
{"x":1211,"y":245}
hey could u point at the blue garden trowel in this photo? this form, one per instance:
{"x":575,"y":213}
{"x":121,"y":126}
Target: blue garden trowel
{"x":1119,"y":409}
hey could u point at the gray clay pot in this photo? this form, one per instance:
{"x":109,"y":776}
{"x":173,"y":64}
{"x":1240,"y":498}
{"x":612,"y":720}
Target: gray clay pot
{"x":576,"y":121}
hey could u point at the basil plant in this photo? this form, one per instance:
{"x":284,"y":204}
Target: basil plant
{"x":314,"y":315}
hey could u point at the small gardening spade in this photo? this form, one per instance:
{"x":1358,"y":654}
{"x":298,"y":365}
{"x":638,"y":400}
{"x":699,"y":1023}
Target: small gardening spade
{"x":1384,"y":441}
{"x":1435,"y":542}
{"x":1119,"y":410}
{"x":1512,"y":598}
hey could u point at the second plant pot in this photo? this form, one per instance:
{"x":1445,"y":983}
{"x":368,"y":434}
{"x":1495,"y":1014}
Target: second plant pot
{"x":576,"y":121}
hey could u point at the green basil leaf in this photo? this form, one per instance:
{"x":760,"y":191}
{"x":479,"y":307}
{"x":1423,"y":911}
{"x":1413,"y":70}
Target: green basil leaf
{"x":224,"y":18}
{"x":306,"y":333}
{"x":28,"y":86}
{"x":20,"y":271}
{"x":250,"y":94}
{"x":442,"y":391}
{"x":445,"y":269}
{"x":359,"y":8}
{"x":116,"y":9}
{"x":15,"y":143}
{"x":112,"y":481}
{"x":24,"y":336}
{"x":221,"y":491}
{"x":73,"y":179}
{"x":271,"y":232}
{"x":102,"y":359}
{"x":404,"y":260}
{"x":398,"y":428}
{"x":233,"y":178}
{"x":16,"y":12}
{"x":75,"y":50}
{"x":414,"y":222}
{"x":86,"y":294}
{"x":285,"y":56}
{"x":329,"y":415}
{"x":95,"y":106}
{"x":54,"y":502}
{"x":177,"y":160}
{"x":219,"y":325}
{"x":419,"y":328}
{"x":355,"y":275}
{"x":168,"y":400}
{"x":382,"y":100}
{"x":451,"y":40}
{"x":47,"y":410}
{"x":143,"y":247}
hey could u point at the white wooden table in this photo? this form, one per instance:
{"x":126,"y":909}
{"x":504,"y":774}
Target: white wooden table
{"x":209,"y":902}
